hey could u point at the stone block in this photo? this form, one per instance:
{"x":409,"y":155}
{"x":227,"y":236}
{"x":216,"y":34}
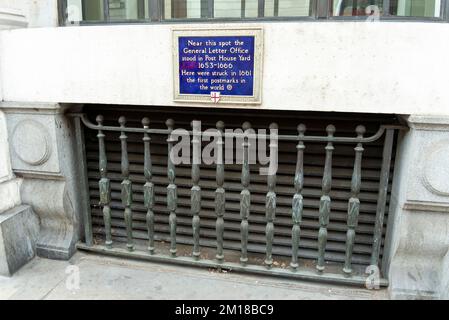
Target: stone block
{"x":43,"y":155}
{"x":52,"y":203}
{"x":19,"y":229}
{"x":417,"y":240}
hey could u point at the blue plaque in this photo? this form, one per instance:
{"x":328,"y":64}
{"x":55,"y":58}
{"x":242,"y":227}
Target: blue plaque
{"x":216,"y":64}
{"x":217,"y":67}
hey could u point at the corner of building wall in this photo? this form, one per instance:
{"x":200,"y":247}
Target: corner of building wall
{"x":444,"y":288}
{"x":417,"y":240}
{"x":42,"y":154}
{"x":396,"y":201}
{"x":19,"y":225}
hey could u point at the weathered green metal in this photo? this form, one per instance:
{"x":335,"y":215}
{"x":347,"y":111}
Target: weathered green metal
{"x":297,"y":205}
{"x":127,"y":193}
{"x":325,"y":201}
{"x":148,"y":188}
{"x":298,"y":202}
{"x":354,"y":202}
{"x":346,"y":140}
{"x":172,"y":192}
{"x":307,"y":275}
{"x":104,"y":183}
{"x":196,"y":191}
{"x":245,"y":196}
{"x":220,"y":194}
{"x":270,"y":205}
{"x":382,"y":197}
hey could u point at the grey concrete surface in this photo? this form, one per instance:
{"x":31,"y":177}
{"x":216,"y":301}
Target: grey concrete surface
{"x":17,"y":248}
{"x":110,"y":278}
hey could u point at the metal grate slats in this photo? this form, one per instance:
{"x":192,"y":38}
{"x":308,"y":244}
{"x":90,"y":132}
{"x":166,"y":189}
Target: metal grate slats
{"x":314,"y":158}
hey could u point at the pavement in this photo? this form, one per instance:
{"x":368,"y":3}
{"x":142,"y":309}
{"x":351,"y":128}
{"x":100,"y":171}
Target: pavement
{"x":93,"y":277}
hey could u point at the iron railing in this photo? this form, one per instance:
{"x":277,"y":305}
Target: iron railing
{"x":346,"y":276}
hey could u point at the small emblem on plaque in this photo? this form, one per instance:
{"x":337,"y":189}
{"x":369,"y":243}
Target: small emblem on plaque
{"x":215,"y":96}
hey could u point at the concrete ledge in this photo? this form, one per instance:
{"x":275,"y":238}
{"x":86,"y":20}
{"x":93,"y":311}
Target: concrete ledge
{"x":12,"y":19}
{"x":92,"y":277}
{"x":429,"y":122}
{"x":426,"y":206}
{"x":19,"y":229}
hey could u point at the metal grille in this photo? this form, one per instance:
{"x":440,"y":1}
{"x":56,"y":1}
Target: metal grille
{"x":331,"y":250}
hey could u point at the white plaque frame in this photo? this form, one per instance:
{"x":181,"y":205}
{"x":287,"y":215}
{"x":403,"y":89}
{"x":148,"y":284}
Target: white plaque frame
{"x":257,"y":32}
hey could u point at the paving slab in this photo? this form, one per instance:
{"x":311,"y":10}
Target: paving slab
{"x":109,"y":278}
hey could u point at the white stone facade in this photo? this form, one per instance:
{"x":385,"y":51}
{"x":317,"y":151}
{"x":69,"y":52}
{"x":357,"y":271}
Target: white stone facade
{"x":19,"y":226}
{"x":388,"y":67}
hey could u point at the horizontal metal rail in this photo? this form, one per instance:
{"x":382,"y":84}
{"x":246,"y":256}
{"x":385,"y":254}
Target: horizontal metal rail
{"x":347,"y":275}
{"x":281,"y":137}
{"x":306,"y":275}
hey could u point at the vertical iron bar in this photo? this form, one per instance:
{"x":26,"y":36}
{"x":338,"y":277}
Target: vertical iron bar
{"x":354,"y":7}
{"x":127,"y":193}
{"x":84,"y":183}
{"x":271,"y":197}
{"x":210,"y":7}
{"x":382,"y":197}
{"x":386,"y":8}
{"x":172,"y":193}
{"x":140,"y":9}
{"x":62,"y":13}
{"x":298,"y":204}
{"x":84,"y":10}
{"x":243,"y":9}
{"x":148,"y":188}
{"x":276,"y":8}
{"x":261,"y":8}
{"x":104,"y":183}
{"x":204,"y":9}
{"x":196,"y":189}
{"x":325,"y":201}
{"x":245,"y":195}
{"x":220,"y":193}
{"x":354,"y":201}
{"x":154,"y":10}
{"x":106,"y":10}
{"x":445,"y":10}
{"x":323,"y":9}
{"x":160,"y":10}
{"x":172,"y":7}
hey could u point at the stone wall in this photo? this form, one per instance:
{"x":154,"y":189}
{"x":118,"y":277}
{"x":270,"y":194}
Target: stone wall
{"x":352,"y":66}
{"x":387,"y":67}
{"x":417,"y":243}
{"x":42,"y":153}
{"x":19,"y":225}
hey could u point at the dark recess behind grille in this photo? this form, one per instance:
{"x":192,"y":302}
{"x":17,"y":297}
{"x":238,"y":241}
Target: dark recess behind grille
{"x":316,"y":123}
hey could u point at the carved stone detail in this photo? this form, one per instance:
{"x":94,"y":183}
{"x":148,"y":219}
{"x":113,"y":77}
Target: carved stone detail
{"x":30,"y":142}
{"x":435,"y":174}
